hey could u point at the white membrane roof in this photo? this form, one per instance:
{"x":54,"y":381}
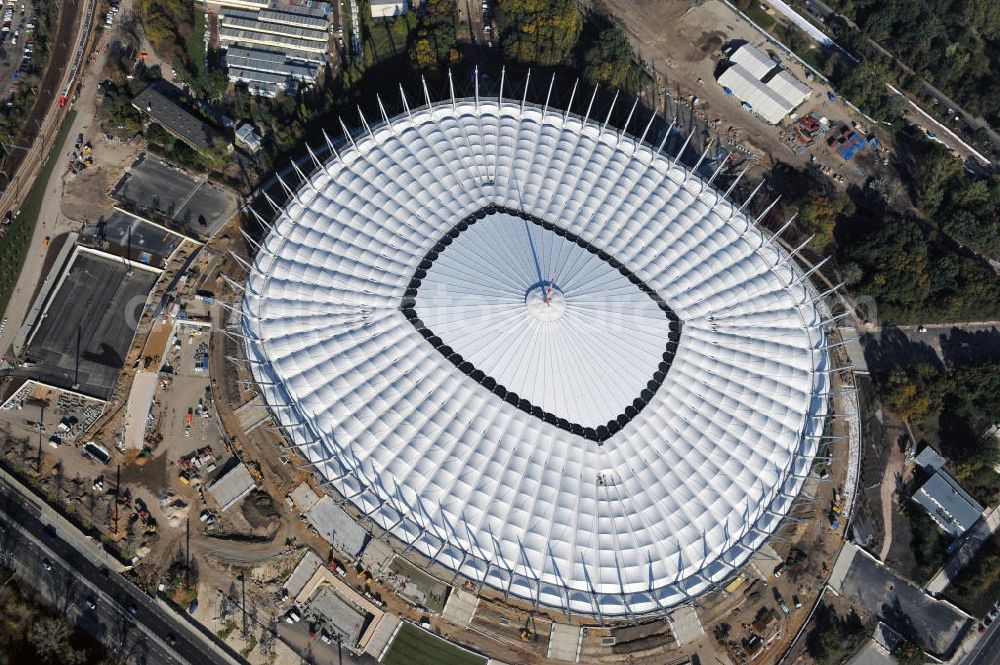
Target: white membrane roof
{"x":396,"y":412}
{"x":547,"y":319}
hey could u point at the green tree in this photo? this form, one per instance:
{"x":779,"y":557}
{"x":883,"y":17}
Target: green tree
{"x":434,"y":43}
{"x":818,"y":216}
{"x":865,"y":86}
{"x":908,"y":653}
{"x":905,"y":397}
{"x":539,"y":32}
{"x":610,"y":61}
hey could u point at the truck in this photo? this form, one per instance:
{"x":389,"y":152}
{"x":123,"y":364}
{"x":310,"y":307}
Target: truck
{"x":780,"y":601}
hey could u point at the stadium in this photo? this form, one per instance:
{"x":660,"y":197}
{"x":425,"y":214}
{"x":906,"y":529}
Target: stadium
{"x":541,"y":353}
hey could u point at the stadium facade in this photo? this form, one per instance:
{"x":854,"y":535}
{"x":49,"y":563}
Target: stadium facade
{"x":541,"y":353}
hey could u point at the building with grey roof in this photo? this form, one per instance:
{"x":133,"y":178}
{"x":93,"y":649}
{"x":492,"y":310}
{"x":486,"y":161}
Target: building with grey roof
{"x":177,"y":120}
{"x":231,"y":485}
{"x":948,"y":504}
{"x":267,"y":71}
{"x":929,"y":460}
{"x":337,"y":527}
{"x":273,"y":48}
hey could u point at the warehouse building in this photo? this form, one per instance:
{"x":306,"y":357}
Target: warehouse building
{"x":760,"y":83}
{"x":266,"y":71}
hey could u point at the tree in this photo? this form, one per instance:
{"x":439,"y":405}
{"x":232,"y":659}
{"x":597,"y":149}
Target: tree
{"x":818,"y":215}
{"x":865,"y":85}
{"x":908,"y":653}
{"x":50,"y":637}
{"x":906,"y":398}
{"x":435,"y":42}
{"x":610,"y":61}
{"x":539,"y":32}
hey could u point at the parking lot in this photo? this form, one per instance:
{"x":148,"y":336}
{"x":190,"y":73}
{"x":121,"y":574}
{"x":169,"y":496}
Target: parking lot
{"x":184,"y":392}
{"x":197,"y":207}
{"x":881,"y":593}
{"x":97,"y":304}
{"x":16,"y":42}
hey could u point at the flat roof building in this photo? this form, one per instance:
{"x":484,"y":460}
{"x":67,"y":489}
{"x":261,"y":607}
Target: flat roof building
{"x":388,"y":8}
{"x":231,"y":485}
{"x":268,"y":71}
{"x":948,"y":504}
{"x":247,"y":136}
{"x":174,"y":118}
{"x":929,"y":460}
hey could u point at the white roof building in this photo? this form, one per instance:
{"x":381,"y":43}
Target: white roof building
{"x":762,"y":99}
{"x":388,"y":8}
{"x":752,"y":59}
{"x":790,"y":88}
{"x":541,"y":354}
{"x":770,"y":94}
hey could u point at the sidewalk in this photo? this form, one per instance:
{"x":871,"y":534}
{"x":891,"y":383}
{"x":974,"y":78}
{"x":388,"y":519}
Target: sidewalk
{"x":979,"y":534}
{"x":66,"y":529}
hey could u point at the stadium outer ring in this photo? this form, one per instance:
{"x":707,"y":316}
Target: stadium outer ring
{"x":363,"y":493}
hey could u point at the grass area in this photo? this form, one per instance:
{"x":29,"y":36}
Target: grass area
{"x":759,"y":16}
{"x":977,"y":585}
{"x":414,"y":646}
{"x":14,"y":244}
{"x":434,"y":589}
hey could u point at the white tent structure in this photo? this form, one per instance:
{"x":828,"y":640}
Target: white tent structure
{"x":540,"y":353}
{"x":752,"y":78}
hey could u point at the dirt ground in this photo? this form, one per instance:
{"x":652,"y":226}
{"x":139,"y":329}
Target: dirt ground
{"x":85,"y":194}
{"x":682,"y":41}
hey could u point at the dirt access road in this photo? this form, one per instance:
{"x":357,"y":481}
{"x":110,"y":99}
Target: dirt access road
{"x":682,"y":41}
{"x":49,"y":216}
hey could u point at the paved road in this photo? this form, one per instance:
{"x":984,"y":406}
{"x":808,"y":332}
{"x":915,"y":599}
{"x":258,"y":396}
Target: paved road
{"x":51,"y":220}
{"x":965,"y":343}
{"x":140,"y":639}
{"x":972,"y":121}
{"x":987,"y":649}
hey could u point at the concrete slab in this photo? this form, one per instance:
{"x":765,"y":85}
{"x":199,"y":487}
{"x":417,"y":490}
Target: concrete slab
{"x":564,"y":642}
{"x":460,"y":608}
{"x":881,"y":593}
{"x":231,"y":485}
{"x":686,"y":625}
{"x":124,"y":234}
{"x":140,"y":400}
{"x":871,"y":654}
{"x":198,"y":208}
{"x":303,"y":497}
{"x":842,"y":565}
{"x":302,"y":573}
{"x":337,"y":527}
